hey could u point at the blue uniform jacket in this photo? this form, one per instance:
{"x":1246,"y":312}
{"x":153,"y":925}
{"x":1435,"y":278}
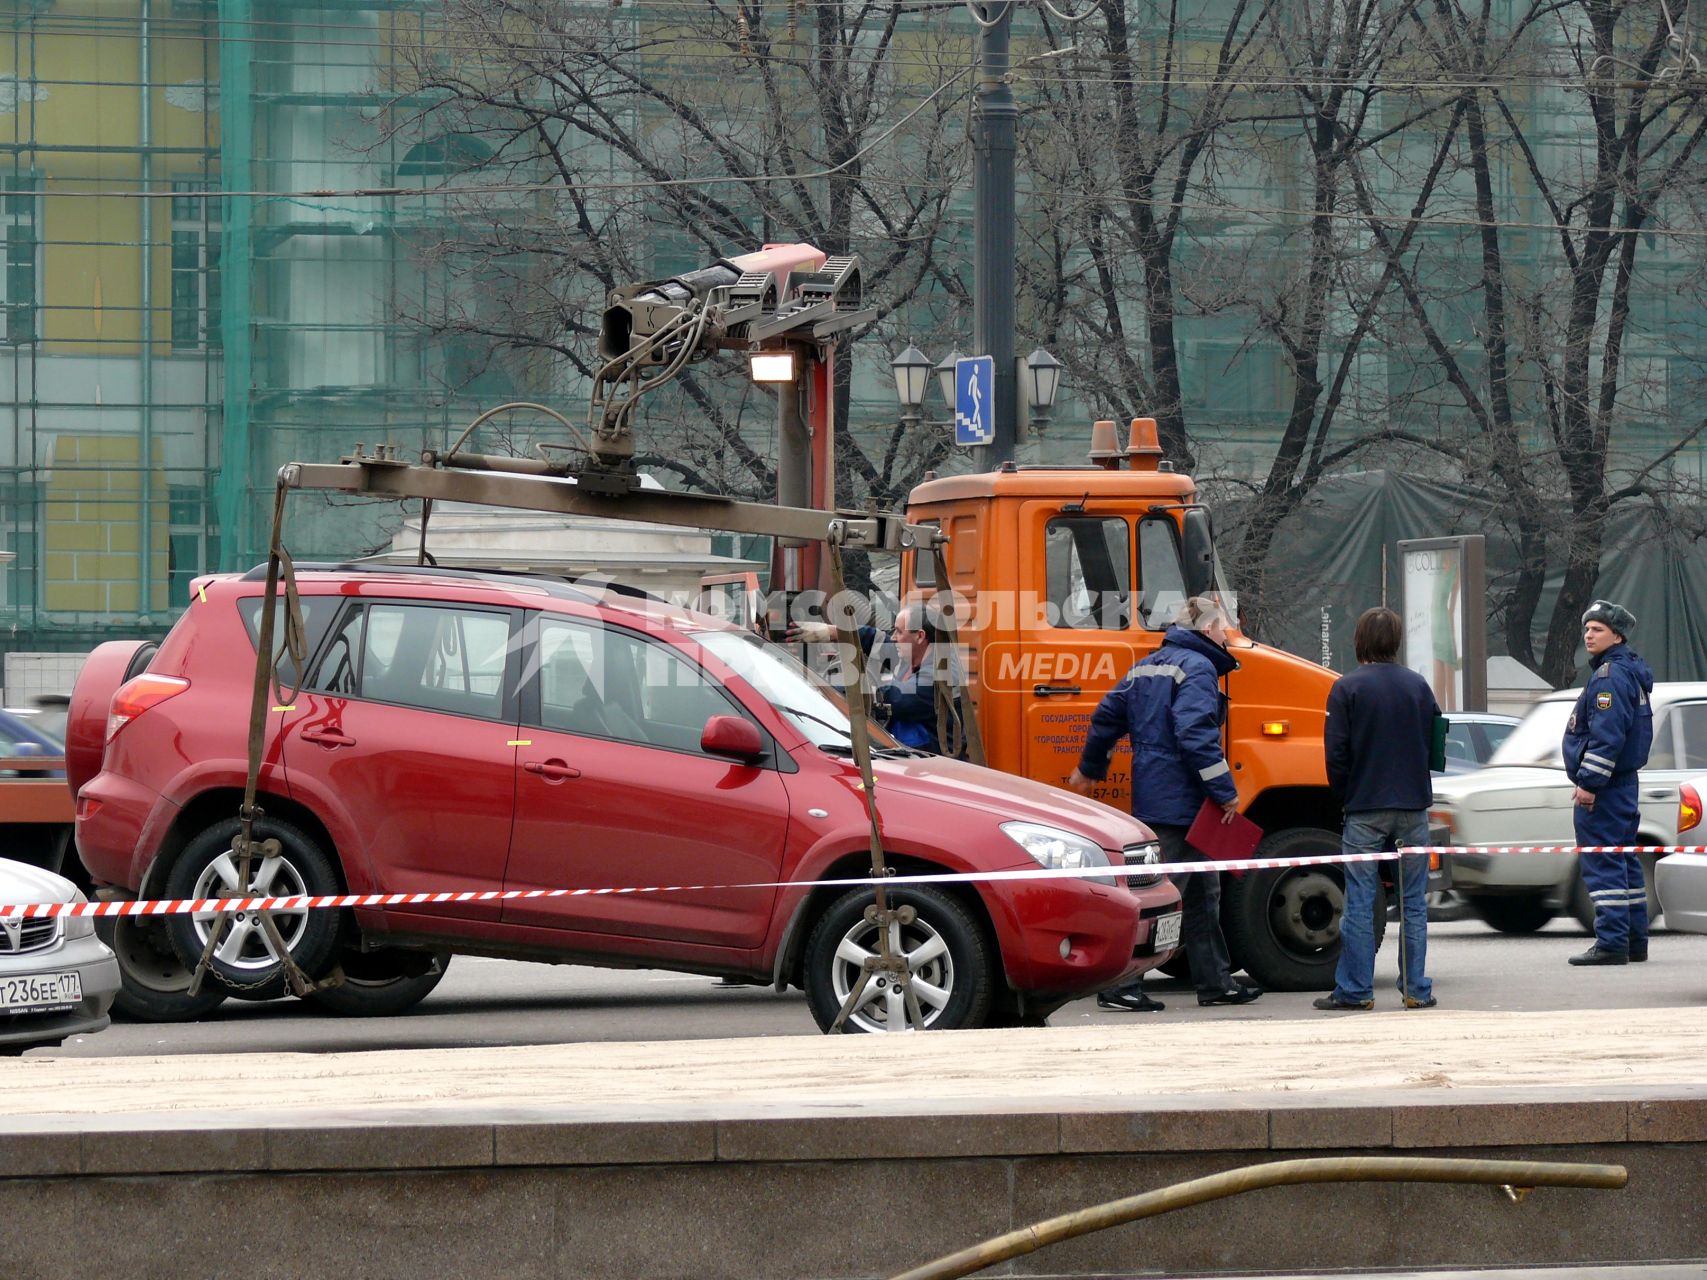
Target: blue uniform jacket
{"x":910,"y":697}
{"x":1612,"y":726}
{"x":1170,"y":706}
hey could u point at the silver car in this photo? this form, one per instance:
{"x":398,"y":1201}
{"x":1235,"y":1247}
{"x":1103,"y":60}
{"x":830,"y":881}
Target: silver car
{"x":1681,"y":878}
{"x":57,"y":979}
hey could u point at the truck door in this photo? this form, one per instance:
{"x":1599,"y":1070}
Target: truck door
{"x":1076,"y":636}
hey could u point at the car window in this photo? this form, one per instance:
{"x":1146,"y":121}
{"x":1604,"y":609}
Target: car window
{"x":428,"y":656}
{"x":1538,"y":738}
{"x":1088,"y":568}
{"x":317,"y":615}
{"x":1494,"y":732}
{"x":1460,"y":741}
{"x":1690,"y":719}
{"x":609,"y":683}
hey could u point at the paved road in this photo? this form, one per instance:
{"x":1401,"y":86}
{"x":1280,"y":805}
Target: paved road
{"x":495,"y":1002}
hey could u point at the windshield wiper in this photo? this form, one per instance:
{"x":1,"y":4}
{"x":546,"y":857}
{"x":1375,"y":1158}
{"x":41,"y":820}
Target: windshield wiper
{"x":807,"y":715}
{"x":883,"y":753}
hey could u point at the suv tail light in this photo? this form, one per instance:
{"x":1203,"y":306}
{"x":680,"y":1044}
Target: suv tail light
{"x":138,"y":695}
{"x":1688,"y":808}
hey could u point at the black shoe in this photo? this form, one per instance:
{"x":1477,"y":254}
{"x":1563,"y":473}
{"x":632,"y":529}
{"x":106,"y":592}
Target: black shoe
{"x":1411,"y":1002}
{"x":1639,"y":955}
{"x":1129,"y":999}
{"x":1595,"y":955}
{"x":1332,"y":1002}
{"x":1235,"y":994}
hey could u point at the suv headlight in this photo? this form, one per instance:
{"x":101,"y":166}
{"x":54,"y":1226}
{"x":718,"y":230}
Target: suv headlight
{"x":1059,"y":850}
{"x":77,"y":926}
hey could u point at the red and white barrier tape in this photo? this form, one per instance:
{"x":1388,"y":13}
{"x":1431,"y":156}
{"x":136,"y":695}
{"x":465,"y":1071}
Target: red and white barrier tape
{"x":215,"y":906}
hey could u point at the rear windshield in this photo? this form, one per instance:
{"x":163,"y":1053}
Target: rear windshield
{"x":317,"y":615}
{"x":1538,"y":738}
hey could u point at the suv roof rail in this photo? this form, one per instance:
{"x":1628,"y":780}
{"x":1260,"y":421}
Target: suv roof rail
{"x":582,"y":588}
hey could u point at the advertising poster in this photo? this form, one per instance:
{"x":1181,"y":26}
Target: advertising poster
{"x":1445,"y":613}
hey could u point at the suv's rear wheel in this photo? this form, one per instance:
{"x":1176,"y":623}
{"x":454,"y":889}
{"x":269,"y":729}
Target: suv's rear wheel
{"x":378,"y":984}
{"x":156,"y":983}
{"x":952,"y":972}
{"x":244,"y":962}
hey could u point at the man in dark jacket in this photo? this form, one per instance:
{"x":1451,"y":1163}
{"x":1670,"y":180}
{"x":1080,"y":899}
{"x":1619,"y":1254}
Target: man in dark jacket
{"x":1170,"y":706}
{"x":1378,"y":739}
{"x":905,"y":701}
{"x":1606,"y":742}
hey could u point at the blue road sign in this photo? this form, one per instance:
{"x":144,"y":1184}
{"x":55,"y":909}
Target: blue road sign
{"x":974,"y":400}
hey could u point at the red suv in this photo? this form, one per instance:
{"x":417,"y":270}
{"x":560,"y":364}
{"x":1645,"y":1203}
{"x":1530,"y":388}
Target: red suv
{"x":482,"y":731}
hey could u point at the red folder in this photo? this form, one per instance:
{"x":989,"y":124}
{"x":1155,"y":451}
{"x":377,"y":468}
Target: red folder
{"x":1214,"y":838}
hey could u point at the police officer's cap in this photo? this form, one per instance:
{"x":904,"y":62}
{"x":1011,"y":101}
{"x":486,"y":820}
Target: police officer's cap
{"x":1615,"y":616}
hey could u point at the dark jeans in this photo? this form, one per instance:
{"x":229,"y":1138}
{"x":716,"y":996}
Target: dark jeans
{"x":1200,"y":894}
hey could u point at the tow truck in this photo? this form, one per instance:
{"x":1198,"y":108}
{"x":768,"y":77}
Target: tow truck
{"x":1060,"y":578}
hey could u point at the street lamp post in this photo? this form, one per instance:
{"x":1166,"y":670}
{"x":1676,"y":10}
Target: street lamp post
{"x":993,"y":223}
{"x":1039,"y":376}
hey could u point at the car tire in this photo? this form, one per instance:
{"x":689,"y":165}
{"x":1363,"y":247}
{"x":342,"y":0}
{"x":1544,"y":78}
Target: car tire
{"x":1513,"y":913}
{"x":381,"y":984}
{"x":1178,"y":965}
{"x":245,"y":965}
{"x":958,"y":964}
{"x":1582,"y":906}
{"x":1283,"y":925}
{"x":154,"y":981}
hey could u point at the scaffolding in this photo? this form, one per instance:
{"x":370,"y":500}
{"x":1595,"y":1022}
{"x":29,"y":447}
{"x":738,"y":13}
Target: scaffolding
{"x":161,"y":356}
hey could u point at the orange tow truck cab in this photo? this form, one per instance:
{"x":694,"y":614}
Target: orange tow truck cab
{"x":1065,"y":577}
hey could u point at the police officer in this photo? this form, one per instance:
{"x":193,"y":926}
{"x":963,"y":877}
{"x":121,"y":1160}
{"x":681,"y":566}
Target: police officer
{"x":1170,"y":706}
{"x":1605,"y":744}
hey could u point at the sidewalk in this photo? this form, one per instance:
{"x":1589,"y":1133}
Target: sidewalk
{"x":1398,"y":1057}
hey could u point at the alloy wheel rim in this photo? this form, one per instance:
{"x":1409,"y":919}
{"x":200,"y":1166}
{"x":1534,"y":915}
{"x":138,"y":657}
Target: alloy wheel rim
{"x":244,"y":945}
{"x":882,"y":1006}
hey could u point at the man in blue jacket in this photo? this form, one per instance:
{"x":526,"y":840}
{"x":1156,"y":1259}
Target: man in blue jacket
{"x":1170,"y":706}
{"x":905,"y":702}
{"x":1378,"y":738}
{"x":1606,"y":742}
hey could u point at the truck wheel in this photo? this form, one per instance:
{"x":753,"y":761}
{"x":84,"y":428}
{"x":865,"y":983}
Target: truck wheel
{"x":945,"y":949}
{"x":244,"y":963}
{"x":1520,"y":913}
{"x":378,"y":984}
{"x":155,"y":982}
{"x":1283,"y":926}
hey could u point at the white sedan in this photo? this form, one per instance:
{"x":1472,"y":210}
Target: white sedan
{"x":1523,"y":797}
{"x":1682,"y":878}
{"x":57,"y":979}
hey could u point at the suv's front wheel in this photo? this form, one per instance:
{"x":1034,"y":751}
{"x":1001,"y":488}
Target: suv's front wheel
{"x":244,"y":962}
{"x":947,"y":956}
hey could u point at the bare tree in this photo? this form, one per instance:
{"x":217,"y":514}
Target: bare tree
{"x":654,"y":141}
{"x":1554,"y":388}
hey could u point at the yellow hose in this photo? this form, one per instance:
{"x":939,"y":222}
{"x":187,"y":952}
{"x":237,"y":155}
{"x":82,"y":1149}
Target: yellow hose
{"x":1514,"y":1175}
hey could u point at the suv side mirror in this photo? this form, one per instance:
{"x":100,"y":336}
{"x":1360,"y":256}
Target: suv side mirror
{"x":733,"y":737}
{"x":1198,"y":551}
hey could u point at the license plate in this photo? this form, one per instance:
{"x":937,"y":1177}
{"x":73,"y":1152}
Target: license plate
{"x":40,"y":992}
{"x":1167,"y":931}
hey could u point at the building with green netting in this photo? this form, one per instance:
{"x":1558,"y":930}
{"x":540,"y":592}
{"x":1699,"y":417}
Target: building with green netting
{"x":183,"y":309}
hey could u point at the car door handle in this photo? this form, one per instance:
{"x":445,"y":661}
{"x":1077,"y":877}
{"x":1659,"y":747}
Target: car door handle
{"x":327,"y":737}
{"x":552,"y":770}
{"x":1055,"y":690}
{"x":1658,"y":794}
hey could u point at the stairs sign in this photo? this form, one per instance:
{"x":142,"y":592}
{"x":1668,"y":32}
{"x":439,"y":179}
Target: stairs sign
{"x":974,"y":400}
